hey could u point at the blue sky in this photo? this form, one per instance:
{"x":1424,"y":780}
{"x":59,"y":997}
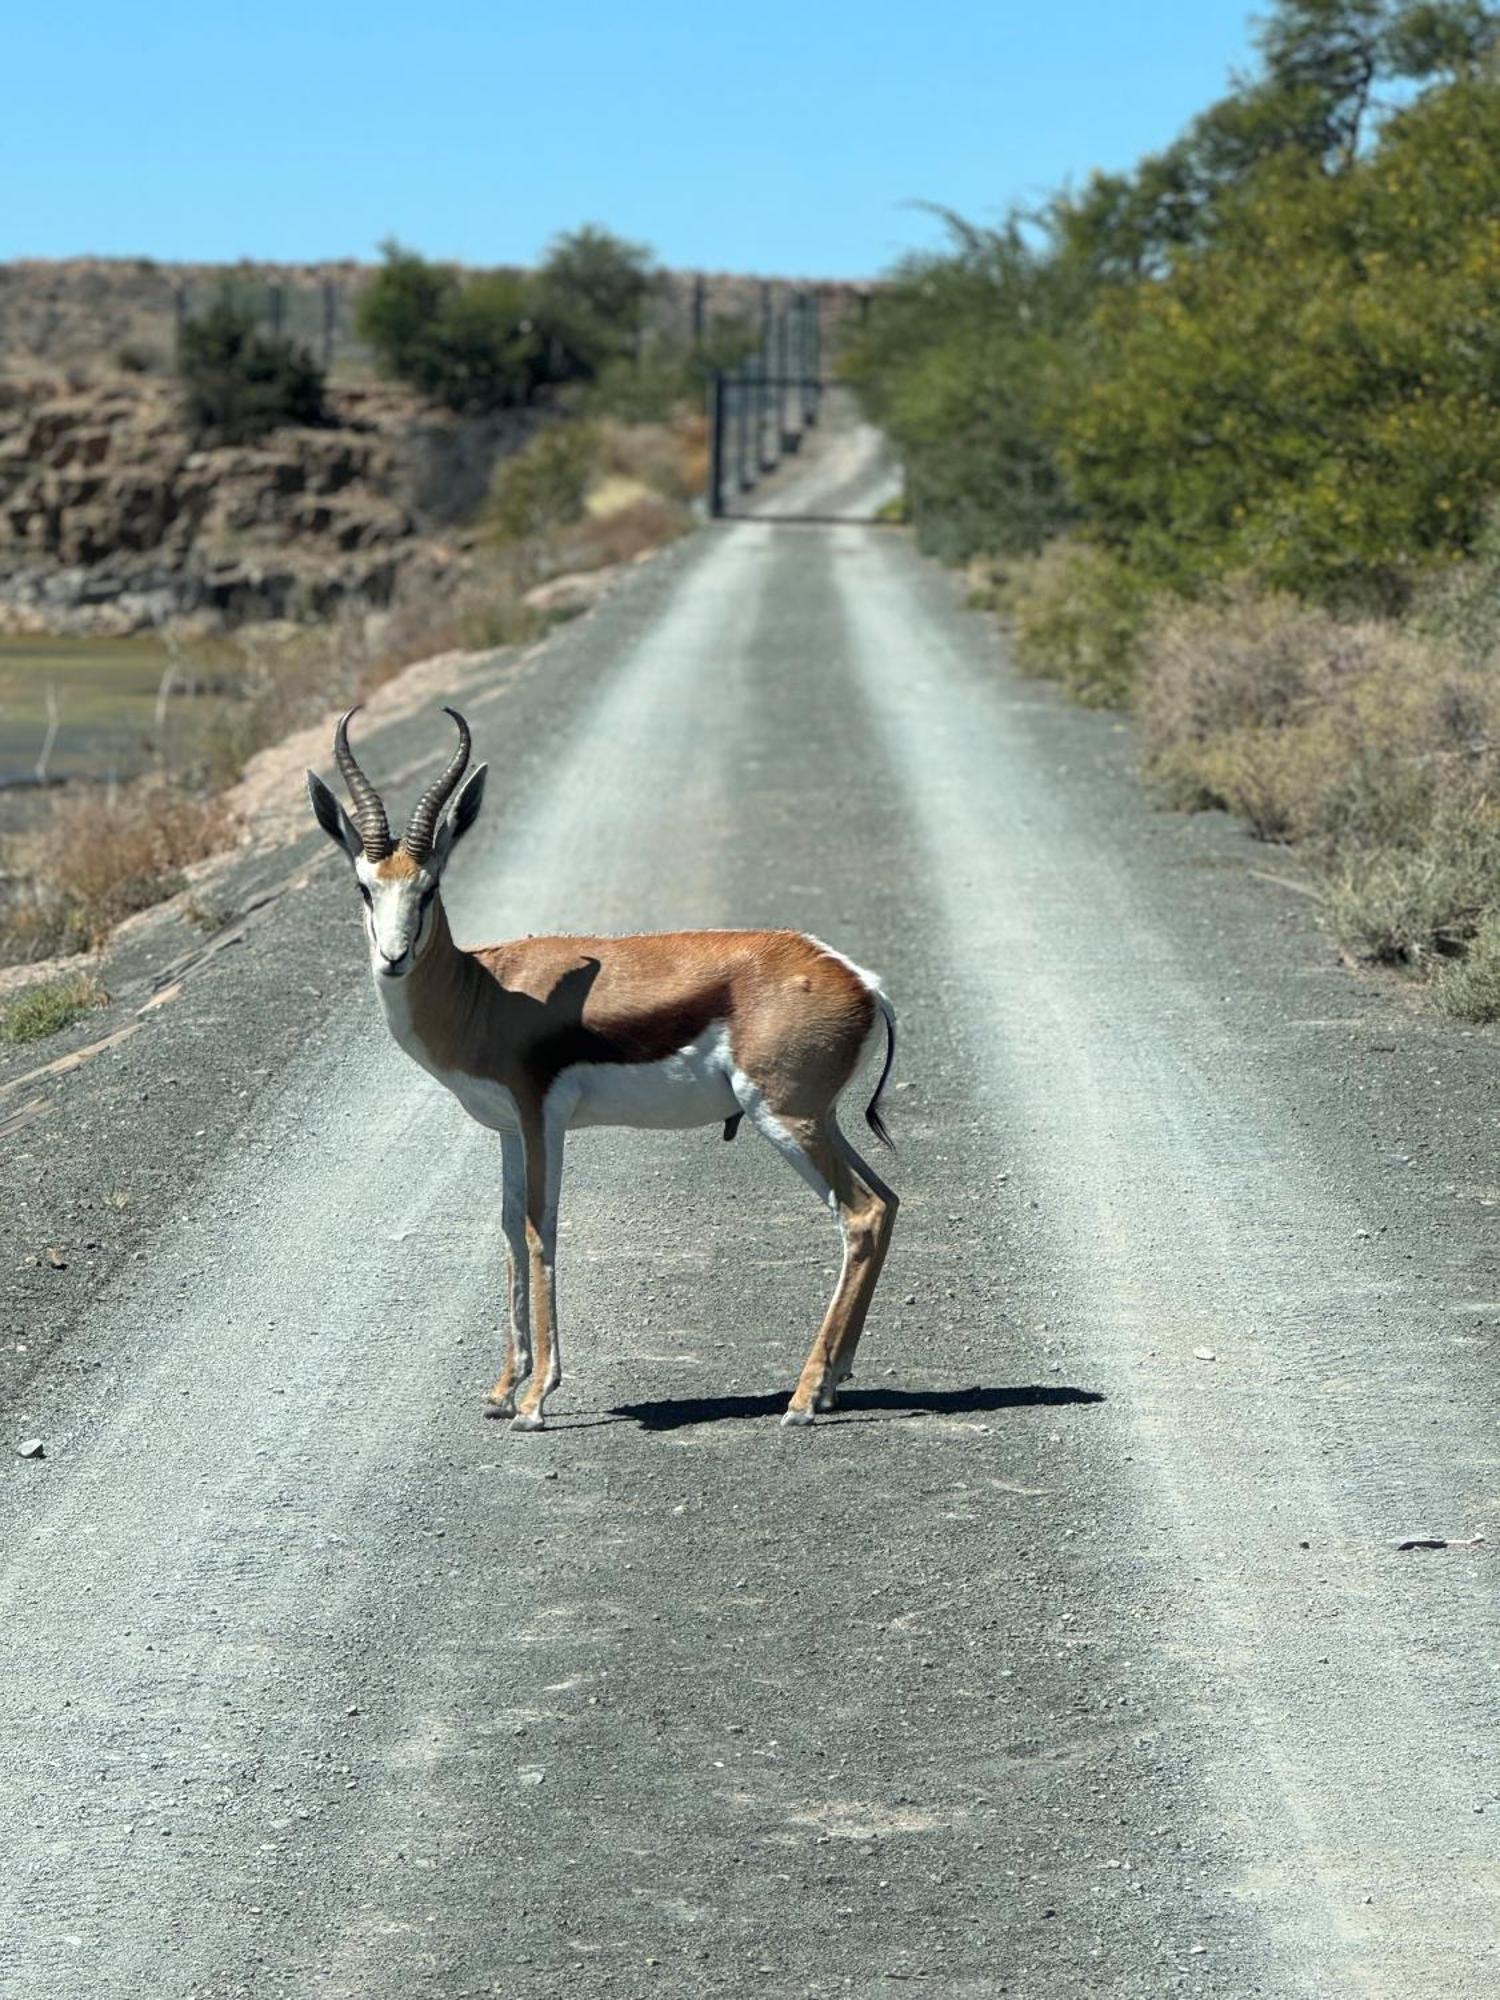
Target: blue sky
{"x":768,"y":137}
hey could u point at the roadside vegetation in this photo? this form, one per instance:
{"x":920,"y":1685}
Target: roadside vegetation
{"x":44,"y":1010}
{"x":238,"y":382}
{"x":1220,"y":438}
{"x":617,"y":453}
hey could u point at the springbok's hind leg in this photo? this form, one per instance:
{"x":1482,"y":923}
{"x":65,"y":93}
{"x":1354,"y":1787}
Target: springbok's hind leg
{"x":874,"y":1239}
{"x":816,"y":1150}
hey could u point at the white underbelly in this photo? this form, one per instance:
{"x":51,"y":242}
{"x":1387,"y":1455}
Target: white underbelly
{"x":690,"y":1087}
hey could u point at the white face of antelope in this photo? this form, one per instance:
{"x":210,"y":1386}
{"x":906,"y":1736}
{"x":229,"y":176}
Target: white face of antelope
{"x":398,"y":896}
{"x":398,"y":885}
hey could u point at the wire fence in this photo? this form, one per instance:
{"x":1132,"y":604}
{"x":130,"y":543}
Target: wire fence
{"x":316,"y":313}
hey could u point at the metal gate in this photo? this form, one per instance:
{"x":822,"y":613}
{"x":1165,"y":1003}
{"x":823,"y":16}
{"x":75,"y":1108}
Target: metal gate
{"x":760,"y":411}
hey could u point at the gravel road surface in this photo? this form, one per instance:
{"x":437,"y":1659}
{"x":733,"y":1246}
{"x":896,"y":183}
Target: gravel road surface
{"x":1078,"y":1655}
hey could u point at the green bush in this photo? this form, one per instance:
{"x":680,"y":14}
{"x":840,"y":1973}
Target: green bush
{"x":48,"y":1008}
{"x":544,"y":485}
{"x":239,"y":383}
{"x":467,"y":342}
{"x":956,"y":361}
{"x":590,"y":301}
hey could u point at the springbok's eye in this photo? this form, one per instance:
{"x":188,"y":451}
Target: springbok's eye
{"x":369,"y":899}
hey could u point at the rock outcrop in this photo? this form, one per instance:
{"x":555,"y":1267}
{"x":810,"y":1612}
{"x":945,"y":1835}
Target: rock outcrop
{"x":112,"y":518}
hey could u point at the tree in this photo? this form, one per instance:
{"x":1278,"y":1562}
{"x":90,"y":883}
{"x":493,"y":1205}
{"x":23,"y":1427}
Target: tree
{"x":1316,"y":395}
{"x":469,"y":342}
{"x":590,"y":300}
{"x":239,"y":383}
{"x":955,"y":361}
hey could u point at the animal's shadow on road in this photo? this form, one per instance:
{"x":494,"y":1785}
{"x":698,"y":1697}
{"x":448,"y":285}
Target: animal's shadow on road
{"x":869,"y":1406}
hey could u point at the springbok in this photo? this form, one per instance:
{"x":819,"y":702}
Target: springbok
{"x":668,"y":1030}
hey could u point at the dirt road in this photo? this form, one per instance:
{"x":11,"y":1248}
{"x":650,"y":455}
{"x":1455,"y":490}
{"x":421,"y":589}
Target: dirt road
{"x":1078,"y":1656}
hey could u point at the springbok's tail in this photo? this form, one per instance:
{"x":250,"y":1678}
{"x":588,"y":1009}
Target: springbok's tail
{"x":872,"y":1110}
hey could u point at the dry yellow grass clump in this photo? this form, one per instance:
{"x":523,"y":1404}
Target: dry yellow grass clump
{"x":1377,"y":742}
{"x":97,"y":857}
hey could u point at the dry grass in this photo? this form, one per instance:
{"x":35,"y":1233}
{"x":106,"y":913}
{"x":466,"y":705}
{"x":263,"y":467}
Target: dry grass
{"x":1307,"y":725}
{"x":97,"y":858}
{"x":1421,"y":903}
{"x":1469,"y":989}
{"x":1075,"y":616}
{"x":1377,"y":743}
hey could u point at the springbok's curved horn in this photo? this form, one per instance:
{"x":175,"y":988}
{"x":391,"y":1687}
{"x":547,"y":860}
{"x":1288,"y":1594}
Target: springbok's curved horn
{"x":420,"y":828}
{"x":369,"y":813}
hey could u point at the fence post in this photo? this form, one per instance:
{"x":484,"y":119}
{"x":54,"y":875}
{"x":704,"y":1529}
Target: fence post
{"x":764,"y":461}
{"x":700,"y":308}
{"x":742,"y":425}
{"x":815,"y":342}
{"x":716,"y":446}
{"x":330,"y":320}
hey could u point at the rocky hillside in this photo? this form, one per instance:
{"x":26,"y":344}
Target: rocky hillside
{"x":111,"y":518}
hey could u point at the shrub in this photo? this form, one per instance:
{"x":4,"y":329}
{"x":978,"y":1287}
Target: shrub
{"x":468,"y":342}
{"x":1418,"y":903}
{"x":1076,"y":614}
{"x":1469,"y":988}
{"x":1460,"y":602}
{"x":626,"y":532}
{"x":50,"y":1007}
{"x":956,"y":360}
{"x":590,"y":300}
{"x":1309,"y":725}
{"x":544,"y":485}
{"x":140,"y":357}
{"x":239,"y":383}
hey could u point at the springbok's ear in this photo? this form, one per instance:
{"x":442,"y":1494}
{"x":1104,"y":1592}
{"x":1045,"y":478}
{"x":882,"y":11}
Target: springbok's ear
{"x":462,"y":817}
{"x":331,"y":816}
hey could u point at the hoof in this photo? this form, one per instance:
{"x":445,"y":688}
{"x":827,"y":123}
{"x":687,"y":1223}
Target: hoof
{"x":504,"y":1407}
{"x":528,"y":1420}
{"x":828,"y":1400}
{"x":796,"y":1420}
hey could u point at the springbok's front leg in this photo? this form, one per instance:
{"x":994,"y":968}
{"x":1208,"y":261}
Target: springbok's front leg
{"x":501,"y":1401}
{"x":544,"y":1158}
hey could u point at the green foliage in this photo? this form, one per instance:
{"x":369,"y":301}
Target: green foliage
{"x":956,"y":361}
{"x":1312,"y":396}
{"x":590,"y":300}
{"x":468,"y":342}
{"x":1264,"y":351}
{"x":545,"y":485}
{"x":239,"y":383}
{"x":48,"y":1008}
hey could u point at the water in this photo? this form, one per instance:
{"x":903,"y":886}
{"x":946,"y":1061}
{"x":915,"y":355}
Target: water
{"x":106,"y":691}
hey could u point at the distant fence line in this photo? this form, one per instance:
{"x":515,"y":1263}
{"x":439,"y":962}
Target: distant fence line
{"x":320,"y":315}
{"x":317,"y":315}
{"x":58,"y":315}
